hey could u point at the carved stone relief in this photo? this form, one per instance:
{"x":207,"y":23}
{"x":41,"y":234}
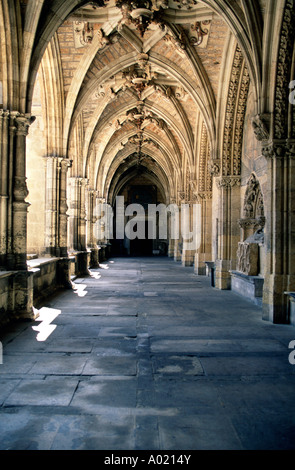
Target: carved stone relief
{"x":253,"y":202}
{"x":248,"y":258}
{"x":252,"y":223}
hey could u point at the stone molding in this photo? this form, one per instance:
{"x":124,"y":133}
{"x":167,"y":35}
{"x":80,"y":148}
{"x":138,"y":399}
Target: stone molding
{"x":228,"y":181}
{"x":284,"y":72}
{"x":255,"y":224}
{"x":276,"y":149}
{"x":235,"y":116}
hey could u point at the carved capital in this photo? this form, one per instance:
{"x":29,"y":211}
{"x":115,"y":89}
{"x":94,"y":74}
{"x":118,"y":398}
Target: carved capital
{"x":22,"y":123}
{"x":204,"y":195}
{"x":20,"y":190}
{"x":278,"y":149}
{"x":65,"y":163}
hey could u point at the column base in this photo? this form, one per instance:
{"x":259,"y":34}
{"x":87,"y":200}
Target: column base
{"x":250,"y":287}
{"x":22,"y":293}
{"x":94,"y":257}
{"x":200,"y":267}
{"x":275,"y":301}
{"x":187,"y":258}
{"x":64,"y":273}
{"x":83,"y":262}
{"x":222,"y":274}
{"x":177,"y":251}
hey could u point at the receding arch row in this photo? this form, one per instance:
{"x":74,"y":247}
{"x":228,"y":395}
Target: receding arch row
{"x":120,"y":176}
{"x":130,"y":59}
{"x":162,"y":158}
{"x":160,"y":112}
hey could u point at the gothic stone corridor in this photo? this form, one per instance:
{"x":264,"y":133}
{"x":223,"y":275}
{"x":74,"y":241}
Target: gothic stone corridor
{"x":144,"y":354}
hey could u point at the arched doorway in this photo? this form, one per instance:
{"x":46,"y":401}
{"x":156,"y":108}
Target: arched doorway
{"x":137,"y":190}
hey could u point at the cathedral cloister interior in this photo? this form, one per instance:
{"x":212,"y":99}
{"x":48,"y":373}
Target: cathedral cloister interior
{"x":181,"y":103}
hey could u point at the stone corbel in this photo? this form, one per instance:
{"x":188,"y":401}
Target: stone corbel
{"x":181,"y":196}
{"x":261,"y":126}
{"x":22,"y":123}
{"x":214,"y":167}
{"x":255,"y":224}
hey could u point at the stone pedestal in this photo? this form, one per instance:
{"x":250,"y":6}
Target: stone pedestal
{"x":250,"y":287}
{"x":64,"y":273}
{"x":83,"y":262}
{"x":94,"y":257}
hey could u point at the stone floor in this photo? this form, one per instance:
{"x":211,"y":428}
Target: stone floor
{"x":143,"y":354}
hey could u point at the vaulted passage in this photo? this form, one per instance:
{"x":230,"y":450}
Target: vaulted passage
{"x":183,"y":104}
{"x":143,"y":354}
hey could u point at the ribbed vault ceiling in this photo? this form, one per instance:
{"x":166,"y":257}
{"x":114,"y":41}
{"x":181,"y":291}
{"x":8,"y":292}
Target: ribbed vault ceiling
{"x":131,"y":94}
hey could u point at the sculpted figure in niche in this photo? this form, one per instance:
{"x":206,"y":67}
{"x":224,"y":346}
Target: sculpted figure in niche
{"x":253,"y":203}
{"x":252,"y":223}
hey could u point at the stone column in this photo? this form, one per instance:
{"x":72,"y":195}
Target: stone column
{"x":14,"y":165}
{"x":64,"y":263}
{"x":64,"y":165}
{"x":82,"y":213}
{"x":188,"y":253}
{"x":4,"y":185}
{"x":178,"y":241}
{"x":170,"y":226}
{"x":56,"y":206}
{"x":51,"y":206}
{"x":204,"y":253}
{"x":18,"y":255}
{"x":171,"y":248}
{"x":91,"y":220}
{"x":73,"y":214}
{"x":77,"y":222}
{"x":279,"y":230}
{"x":229,"y":230}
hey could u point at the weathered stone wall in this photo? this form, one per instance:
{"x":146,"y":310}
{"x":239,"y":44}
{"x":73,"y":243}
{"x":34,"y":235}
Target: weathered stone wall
{"x":253,"y":162}
{"x":35,"y":167}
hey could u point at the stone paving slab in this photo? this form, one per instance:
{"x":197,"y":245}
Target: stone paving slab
{"x":203,"y":346}
{"x":143,"y":354}
{"x":116,"y":365}
{"x":102,"y":395}
{"x":53,"y":391}
{"x":212,"y":431}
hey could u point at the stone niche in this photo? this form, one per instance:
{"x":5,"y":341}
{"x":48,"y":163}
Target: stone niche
{"x":248,"y":278}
